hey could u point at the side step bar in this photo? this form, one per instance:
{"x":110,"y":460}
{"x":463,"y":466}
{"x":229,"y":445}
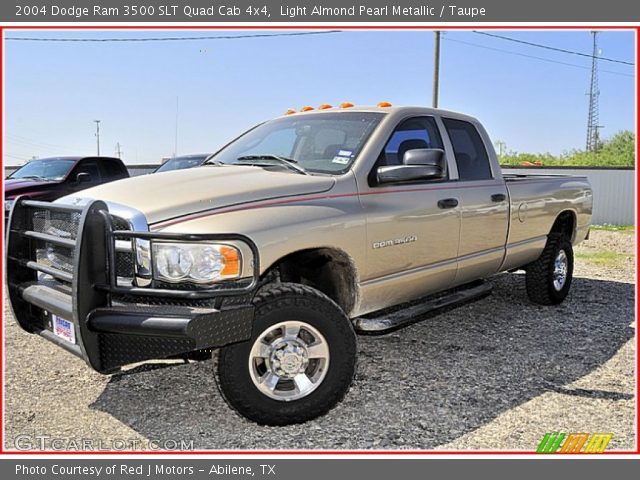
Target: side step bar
{"x":388,"y":320}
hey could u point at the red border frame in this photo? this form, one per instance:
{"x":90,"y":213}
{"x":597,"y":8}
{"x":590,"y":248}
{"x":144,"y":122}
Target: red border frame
{"x":319,"y":27}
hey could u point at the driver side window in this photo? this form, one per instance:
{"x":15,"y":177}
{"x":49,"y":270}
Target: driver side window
{"x":413,"y":133}
{"x":421,"y":132}
{"x":90,"y":167}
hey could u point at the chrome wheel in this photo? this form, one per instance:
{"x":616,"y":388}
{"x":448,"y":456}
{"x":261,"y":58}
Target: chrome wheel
{"x":560,"y":268}
{"x":289,"y":360}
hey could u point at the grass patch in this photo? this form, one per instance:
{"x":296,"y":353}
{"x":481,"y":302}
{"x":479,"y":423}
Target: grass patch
{"x":615,"y":228}
{"x":603,"y":258}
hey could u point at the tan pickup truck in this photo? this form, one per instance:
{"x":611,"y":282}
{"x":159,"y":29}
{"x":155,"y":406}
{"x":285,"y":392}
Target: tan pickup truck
{"x":301,"y":232}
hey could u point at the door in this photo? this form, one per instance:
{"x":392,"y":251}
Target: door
{"x":412,"y":242}
{"x":484,"y":204}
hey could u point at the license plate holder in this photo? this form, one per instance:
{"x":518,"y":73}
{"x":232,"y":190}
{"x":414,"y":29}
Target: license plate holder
{"x":63,"y":328}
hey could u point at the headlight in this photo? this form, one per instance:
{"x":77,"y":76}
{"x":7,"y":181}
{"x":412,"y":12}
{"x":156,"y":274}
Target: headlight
{"x":195,"y":262}
{"x":8,"y":204}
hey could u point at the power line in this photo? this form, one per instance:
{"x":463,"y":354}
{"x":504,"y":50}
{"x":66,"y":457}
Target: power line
{"x":171,"y":39}
{"x":15,"y":156}
{"x":535,"y":57}
{"x":22,"y":139}
{"x":555,"y":49}
{"x":22,"y":143}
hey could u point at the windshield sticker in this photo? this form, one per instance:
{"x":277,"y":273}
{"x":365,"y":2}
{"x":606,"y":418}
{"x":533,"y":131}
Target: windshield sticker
{"x":345,"y":153}
{"x":340,"y":160}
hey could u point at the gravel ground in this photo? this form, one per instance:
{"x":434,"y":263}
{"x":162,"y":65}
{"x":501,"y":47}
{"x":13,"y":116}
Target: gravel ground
{"x":495,"y":374}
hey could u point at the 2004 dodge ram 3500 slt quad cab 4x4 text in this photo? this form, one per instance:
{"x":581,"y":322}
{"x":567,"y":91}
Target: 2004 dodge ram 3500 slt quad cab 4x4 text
{"x":301,"y":232}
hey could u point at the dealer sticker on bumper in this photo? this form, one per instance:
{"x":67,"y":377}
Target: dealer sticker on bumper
{"x":64,"y":329}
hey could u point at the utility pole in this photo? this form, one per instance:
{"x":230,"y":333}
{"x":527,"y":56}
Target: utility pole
{"x":98,"y":135}
{"x":593,"y":134}
{"x":118,"y":150}
{"x":436,"y":69}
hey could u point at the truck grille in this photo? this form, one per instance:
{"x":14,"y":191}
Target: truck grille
{"x":124,"y":260}
{"x":64,"y":225}
{"x":59,"y":224}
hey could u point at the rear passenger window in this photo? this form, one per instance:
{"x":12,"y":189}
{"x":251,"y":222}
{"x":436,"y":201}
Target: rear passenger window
{"x":471,"y":155}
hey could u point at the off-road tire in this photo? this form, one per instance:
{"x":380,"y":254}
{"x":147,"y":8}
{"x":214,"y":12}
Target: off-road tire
{"x":274,"y":304}
{"x":539,"y":276}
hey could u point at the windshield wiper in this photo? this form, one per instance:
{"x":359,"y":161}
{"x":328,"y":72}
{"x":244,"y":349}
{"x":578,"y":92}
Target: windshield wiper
{"x":290,"y":163}
{"x":38,"y":177}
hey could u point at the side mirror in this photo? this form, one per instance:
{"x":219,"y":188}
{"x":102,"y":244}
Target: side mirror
{"x":418,"y":164}
{"x":83,"y":177}
{"x":425,"y":156}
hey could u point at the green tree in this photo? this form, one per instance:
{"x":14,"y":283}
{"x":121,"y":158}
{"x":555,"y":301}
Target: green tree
{"x":617,"y":151}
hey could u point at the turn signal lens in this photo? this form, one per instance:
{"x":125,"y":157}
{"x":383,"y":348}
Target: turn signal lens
{"x":231,"y":261}
{"x":384,"y":105}
{"x":346,"y":105}
{"x":325,"y":106}
{"x":306,"y":108}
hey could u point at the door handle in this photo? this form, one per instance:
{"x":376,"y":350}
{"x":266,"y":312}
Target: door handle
{"x":498,"y":197}
{"x":448,"y":203}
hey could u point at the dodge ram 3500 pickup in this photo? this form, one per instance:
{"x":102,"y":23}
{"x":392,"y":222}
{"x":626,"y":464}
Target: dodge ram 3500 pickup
{"x":301,"y":232}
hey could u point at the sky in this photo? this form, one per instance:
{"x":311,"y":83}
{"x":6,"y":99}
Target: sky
{"x":55,"y":90}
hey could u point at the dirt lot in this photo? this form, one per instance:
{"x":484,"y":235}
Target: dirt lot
{"x":496,"y":374}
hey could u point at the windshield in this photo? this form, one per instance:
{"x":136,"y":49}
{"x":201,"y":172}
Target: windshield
{"x":45,"y":169}
{"x":322,"y":142}
{"x":179,"y":163}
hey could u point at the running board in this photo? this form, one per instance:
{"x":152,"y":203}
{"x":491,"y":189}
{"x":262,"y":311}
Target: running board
{"x":394,"y":318}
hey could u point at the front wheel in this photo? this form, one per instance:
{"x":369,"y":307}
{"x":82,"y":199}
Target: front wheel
{"x":299,"y":362}
{"x":548,"y":279}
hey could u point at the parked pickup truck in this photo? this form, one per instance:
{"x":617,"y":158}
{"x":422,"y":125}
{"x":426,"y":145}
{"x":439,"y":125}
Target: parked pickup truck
{"x":52,"y":178}
{"x":290,"y":239}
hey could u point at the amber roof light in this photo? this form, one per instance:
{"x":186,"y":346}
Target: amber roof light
{"x":325,"y":106}
{"x":384,"y":105}
{"x":346,"y":105}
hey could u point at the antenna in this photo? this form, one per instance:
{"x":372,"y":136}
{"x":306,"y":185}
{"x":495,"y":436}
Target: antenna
{"x":175,"y":145}
{"x":593,"y":127}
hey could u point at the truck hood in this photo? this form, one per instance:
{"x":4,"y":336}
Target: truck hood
{"x":20,"y":186}
{"x":163,"y":196}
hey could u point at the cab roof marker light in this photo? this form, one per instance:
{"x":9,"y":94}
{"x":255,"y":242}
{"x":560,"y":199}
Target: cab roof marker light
{"x":325,"y":106}
{"x":306,"y":108}
{"x":290,"y":111}
{"x":384,"y":104}
{"x":346,"y":105}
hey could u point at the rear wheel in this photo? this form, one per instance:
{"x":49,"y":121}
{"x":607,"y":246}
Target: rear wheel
{"x":299,"y":362}
{"x":548,"y":279}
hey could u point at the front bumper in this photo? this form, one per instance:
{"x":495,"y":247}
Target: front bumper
{"x":113,"y":324}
